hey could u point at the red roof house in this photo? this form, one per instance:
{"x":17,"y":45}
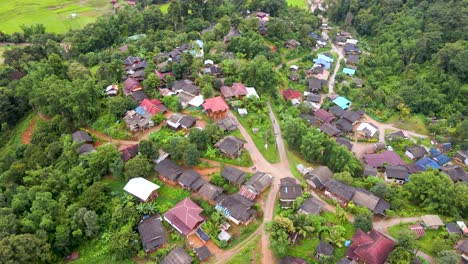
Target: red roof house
{"x":370,"y":248}
{"x":378,"y":160}
{"x":216,"y":107}
{"x":236,"y":90}
{"x":153,"y":106}
{"x":162,"y":75}
{"x":185,"y":216}
{"x":131,"y":85}
{"x":291,"y":94}
{"x":324,"y":115}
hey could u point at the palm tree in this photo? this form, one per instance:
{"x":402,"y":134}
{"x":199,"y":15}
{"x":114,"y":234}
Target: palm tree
{"x":302,"y":225}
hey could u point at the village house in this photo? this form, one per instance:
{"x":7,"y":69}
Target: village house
{"x":344,"y":142}
{"x":292,"y":44}
{"x":344,"y":125}
{"x":178,"y":121}
{"x":216,"y":108}
{"x":128,"y":152}
{"x":416,"y":152}
{"x":177,"y":256}
{"x":131,"y":85}
{"x":311,"y":206}
{"x":453,"y":229}
{"x":353,"y":116}
{"x":463,"y":249}
{"x":312,"y":120}
{"x":366,"y":130}
{"x":371,"y":248}
{"x":315,"y":85}
{"x":112,"y":90}
{"x":462,"y":156}
{"x":237,"y":90}
{"x":142,"y":189}
{"x":370,"y":171}
{"x":456,"y":173}
{"x":292,"y":260}
{"x":227,"y":124}
{"x":292,"y":95}
{"x":163,"y":76}
{"x":324,"y":116}
{"x":191,"y":180}
{"x":397,"y":135}
{"x":255,"y":185}
{"x":138,"y":119}
{"x":375,"y":204}
{"x":203,"y":253}
{"x":185,"y":86}
{"x":233,"y":175}
{"x":210,"y":192}
{"x":262,"y":16}
{"x":387,"y":157}
{"x":318,"y":178}
{"x":427,"y":163}
{"x":289,"y":190}
{"x":138,"y":96}
{"x":81,"y":137}
{"x":412,"y":168}
{"x":168,"y":171}
{"x":438,"y":157}
{"x":236,"y":208}
{"x":323,"y":249}
{"x":342,"y":102}
{"x":330,"y":130}
{"x":85,"y":149}
{"x":432,"y":221}
{"x":184,"y":216}
{"x":231,"y":146}
{"x":152,"y":233}
{"x":350,"y":48}
{"x":396,"y":174}
{"x":339,"y":191}
{"x":358,"y":82}
{"x":153,"y":106}
{"x":352,"y":59}
{"x":337,"y":111}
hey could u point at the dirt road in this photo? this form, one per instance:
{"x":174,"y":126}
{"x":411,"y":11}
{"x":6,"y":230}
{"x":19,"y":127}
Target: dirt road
{"x":331,"y":81}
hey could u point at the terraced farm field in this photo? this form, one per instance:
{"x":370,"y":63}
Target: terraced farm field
{"x":55,"y":15}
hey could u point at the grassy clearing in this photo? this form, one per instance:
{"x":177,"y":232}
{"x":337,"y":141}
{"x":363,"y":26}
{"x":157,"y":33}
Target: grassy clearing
{"x":55,"y":15}
{"x":250,"y":254}
{"x":164,"y":7}
{"x":298,"y":3}
{"x":294,"y":159}
{"x":414,"y":123}
{"x":271,"y":154}
{"x":93,"y":252}
{"x":432,"y":242}
{"x":14,"y":136}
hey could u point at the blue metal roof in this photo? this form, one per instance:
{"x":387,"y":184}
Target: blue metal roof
{"x":442,"y":160}
{"x":325,"y":58}
{"x":426,"y":163}
{"x":342,"y":102}
{"x":435,"y":152}
{"x":140,"y":110}
{"x":349,"y":71}
{"x":325,"y":63}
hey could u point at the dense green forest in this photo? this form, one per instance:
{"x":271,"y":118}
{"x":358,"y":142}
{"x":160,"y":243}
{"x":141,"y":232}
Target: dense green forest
{"x":418,"y":56}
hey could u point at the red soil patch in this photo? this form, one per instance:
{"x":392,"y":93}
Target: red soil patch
{"x":26,"y":136}
{"x":273,"y":48}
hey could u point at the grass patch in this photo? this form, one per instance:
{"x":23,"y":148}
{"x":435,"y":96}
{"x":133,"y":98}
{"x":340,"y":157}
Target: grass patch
{"x":55,"y":15}
{"x":93,"y":252}
{"x":271,"y":154}
{"x":107,"y":124}
{"x":298,"y":3}
{"x":240,"y":232}
{"x":250,"y":254}
{"x":414,"y":123}
{"x":432,"y":242}
{"x":304,"y":249}
{"x":169,"y":196}
{"x":295,"y":159}
{"x":14,"y":135}
{"x":243,"y":161}
{"x":164,"y":7}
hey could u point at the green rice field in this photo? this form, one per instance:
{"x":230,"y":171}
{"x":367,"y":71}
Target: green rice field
{"x":55,"y":15}
{"x":298,"y":3}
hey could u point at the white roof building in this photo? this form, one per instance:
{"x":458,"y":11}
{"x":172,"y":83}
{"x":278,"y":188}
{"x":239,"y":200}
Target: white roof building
{"x":368,"y":127}
{"x":251,"y":92}
{"x":141,"y":188}
{"x":352,"y":41}
{"x":197,"y":101}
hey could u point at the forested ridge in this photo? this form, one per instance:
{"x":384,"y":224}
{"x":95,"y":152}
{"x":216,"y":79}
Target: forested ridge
{"x":417,"y":55}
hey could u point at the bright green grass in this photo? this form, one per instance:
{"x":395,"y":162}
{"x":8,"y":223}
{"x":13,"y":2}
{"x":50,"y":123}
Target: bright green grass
{"x":164,"y":7}
{"x":250,"y":254}
{"x":55,"y":15}
{"x":414,"y":123}
{"x":432,"y":242}
{"x":298,"y":3}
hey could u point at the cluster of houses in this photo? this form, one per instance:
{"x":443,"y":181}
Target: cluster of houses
{"x":185,"y":217}
{"x":351,"y":51}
